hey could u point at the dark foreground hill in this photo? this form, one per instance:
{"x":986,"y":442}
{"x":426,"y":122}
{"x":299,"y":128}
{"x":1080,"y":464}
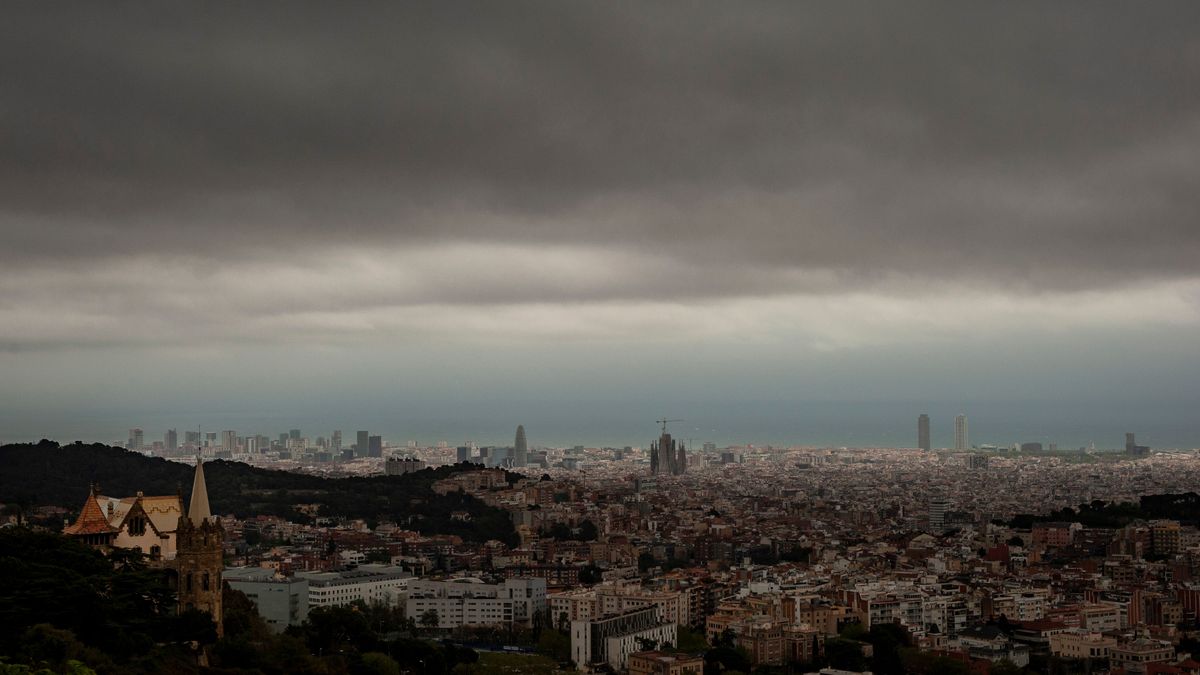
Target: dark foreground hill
{"x":46,"y":474}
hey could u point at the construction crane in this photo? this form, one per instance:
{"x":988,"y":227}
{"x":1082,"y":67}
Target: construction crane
{"x":664,"y":421}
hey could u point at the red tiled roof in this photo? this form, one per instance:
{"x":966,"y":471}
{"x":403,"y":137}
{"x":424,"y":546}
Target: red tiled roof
{"x":91,"y":519}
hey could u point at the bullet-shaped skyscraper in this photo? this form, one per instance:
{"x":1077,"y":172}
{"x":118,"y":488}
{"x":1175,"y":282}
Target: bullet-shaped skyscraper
{"x":520,"y":448}
{"x":923,"y":433}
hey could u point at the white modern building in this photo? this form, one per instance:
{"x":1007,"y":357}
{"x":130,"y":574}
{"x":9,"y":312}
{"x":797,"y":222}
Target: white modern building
{"x":612,"y":639}
{"x":281,"y":601}
{"x":471,"y":602}
{"x":372,"y":584}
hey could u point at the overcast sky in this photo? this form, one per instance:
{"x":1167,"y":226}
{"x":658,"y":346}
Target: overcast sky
{"x":798,"y":222}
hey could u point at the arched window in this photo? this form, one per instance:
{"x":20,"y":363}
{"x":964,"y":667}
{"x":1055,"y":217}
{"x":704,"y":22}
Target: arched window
{"x":189,"y":582}
{"x":205,"y":582}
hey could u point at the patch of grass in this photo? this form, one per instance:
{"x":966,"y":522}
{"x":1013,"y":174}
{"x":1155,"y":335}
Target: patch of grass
{"x":512,"y":664}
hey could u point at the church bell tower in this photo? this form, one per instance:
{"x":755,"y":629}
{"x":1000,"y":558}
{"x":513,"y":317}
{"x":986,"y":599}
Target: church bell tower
{"x":199,"y":554}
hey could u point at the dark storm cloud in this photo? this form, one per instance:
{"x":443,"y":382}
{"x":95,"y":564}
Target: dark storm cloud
{"x":1021,"y":144}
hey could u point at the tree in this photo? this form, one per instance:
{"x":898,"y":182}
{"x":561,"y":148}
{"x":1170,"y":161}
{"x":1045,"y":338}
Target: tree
{"x":1004,"y":667}
{"x":727,"y":638}
{"x":720,"y":659}
{"x":377,"y":663}
{"x":845,"y":654}
{"x":588,"y":531}
{"x":647,"y":644}
{"x":329,"y":629}
{"x":590,"y":575}
{"x":691,"y":642}
{"x":554,"y":644}
{"x":430,"y":619}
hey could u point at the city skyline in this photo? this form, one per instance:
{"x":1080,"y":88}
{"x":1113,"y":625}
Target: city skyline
{"x":941,"y":437}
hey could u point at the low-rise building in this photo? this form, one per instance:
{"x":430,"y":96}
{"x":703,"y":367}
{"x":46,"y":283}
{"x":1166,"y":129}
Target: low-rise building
{"x":280,"y":601}
{"x":1081,"y":644}
{"x":1135,"y":654}
{"x":659,"y":663}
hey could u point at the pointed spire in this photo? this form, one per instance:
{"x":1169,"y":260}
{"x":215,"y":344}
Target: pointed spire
{"x":198,"y":510}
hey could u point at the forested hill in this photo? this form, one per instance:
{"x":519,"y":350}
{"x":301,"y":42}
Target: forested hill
{"x":46,"y":474}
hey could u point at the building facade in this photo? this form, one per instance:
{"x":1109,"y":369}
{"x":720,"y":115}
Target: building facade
{"x":470,"y":602}
{"x":611,"y":640}
{"x":280,"y":601}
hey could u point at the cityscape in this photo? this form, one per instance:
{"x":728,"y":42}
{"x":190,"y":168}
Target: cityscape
{"x":546,"y":338}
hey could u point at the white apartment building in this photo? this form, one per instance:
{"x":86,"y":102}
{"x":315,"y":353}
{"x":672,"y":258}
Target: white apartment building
{"x":372,"y":584}
{"x":471,"y":602}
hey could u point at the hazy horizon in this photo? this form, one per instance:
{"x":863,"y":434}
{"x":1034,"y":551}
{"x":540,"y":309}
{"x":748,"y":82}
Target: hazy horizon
{"x":830,"y":424}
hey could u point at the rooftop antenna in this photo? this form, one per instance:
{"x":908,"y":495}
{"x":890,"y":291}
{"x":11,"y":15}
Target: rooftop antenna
{"x":664,"y":421}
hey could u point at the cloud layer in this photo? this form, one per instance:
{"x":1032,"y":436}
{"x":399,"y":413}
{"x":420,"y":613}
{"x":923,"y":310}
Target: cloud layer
{"x":1035,"y":146}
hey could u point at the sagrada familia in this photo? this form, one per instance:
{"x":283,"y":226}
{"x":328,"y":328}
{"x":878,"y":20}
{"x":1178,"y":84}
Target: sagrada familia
{"x":665,"y":457}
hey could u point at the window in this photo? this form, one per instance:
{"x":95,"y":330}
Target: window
{"x":189,"y":582}
{"x":204,"y":584}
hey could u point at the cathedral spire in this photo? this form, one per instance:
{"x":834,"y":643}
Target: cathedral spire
{"x":198,"y":510}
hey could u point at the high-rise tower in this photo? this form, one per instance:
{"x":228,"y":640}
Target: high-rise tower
{"x":923,"y":433}
{"x":960,"y":433}
{"x":198,"y":557}
{"x":520,"y":448}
